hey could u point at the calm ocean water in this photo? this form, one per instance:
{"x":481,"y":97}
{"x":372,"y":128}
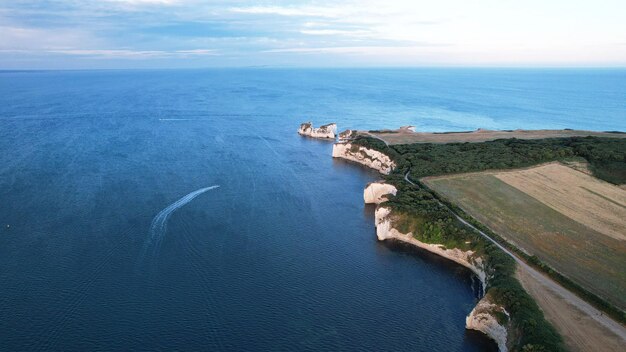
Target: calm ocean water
{"x":105,"y":246}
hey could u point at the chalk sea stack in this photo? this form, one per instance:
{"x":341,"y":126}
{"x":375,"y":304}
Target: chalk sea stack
{"x":324,"y":131}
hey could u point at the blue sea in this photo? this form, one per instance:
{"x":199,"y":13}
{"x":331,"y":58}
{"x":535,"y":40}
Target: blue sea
{"x":179,"y":210}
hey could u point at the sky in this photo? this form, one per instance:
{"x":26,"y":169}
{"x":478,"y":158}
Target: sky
{"x":81,"y":34}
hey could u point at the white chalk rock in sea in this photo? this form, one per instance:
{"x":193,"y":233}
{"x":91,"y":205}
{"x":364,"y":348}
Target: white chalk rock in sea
{"x":365,"y":156}
{"x":377,"y":192}
{"x":385,"y":230}
{"x":483,"y":318}
{"x":325,"y":131}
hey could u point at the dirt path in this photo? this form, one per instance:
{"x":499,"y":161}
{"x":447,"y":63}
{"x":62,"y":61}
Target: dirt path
{"x":376,"y":137}
{"x":573,"y":311}
{"x":580,"y":331}
{"x":584,"y":328}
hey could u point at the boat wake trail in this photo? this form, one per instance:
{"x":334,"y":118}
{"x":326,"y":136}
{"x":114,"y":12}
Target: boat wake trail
{"x":158,"y":227}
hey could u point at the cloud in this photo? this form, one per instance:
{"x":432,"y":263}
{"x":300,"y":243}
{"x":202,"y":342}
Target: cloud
{"x":28,"y":38}
{"x":198,"y":52}
{"x":293,"y":31}
{"x":146,"y":2}
{"x":111,"y":53}
{"x":303,"y":11}
{"x":134,"y":54}
{"x":352,"y":33}
{"x":360,"y":50}
{"x":401,"y":21}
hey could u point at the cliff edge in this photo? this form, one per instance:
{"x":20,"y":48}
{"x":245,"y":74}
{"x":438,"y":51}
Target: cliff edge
{"x":484,"y":318}
{"x":487,"y":317}
{"x":362,"y":155}
{"x":348,"y":135}
{"x":378,"y":192}
{"x":385,"y":230}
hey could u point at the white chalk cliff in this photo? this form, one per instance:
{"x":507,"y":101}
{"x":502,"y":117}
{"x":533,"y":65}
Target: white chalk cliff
{"x":325,"y":131}
{"x":362,"y":155}
{"x":377,"y":192}
{"x":347,"y":135}
{"x":385,"y":230}
{"x":483,"y":316}
{"x":482,"y":319}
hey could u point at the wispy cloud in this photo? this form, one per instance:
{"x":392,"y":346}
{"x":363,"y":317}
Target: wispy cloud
{"x":359,"y":50}
{"x":118,"y":53}
{"x":145,"y":2}
{"x":29,"y":38}
{"x":245,"y":32}
{"x":302,"y":11}
{"x":334,"y":32}
{"x":142,"y":2}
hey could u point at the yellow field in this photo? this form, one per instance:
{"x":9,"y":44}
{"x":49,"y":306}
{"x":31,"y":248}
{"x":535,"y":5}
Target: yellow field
{"x":570,"y":220}
{"x":592,"y":202}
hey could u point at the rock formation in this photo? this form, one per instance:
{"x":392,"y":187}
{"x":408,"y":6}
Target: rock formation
{"x":377,"y":192}
{"x":347,"y":135}
{"x":385,"y":230}
{"x":483,"y":319}
{"x":362,"y":155}
{"x":325,"y":131}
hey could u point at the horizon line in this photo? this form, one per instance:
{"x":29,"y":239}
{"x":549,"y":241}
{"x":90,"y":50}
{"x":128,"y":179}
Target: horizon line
{"x":217,"y":67}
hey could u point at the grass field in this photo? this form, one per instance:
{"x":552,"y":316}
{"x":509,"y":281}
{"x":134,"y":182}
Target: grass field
{"x":596,"y":204}
{"x":570,"y":220}
{"x":403,"y":136}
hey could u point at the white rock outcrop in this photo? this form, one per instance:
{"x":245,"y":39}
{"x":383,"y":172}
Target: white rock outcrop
{"x":368,"y":157}
{"x":385,"y":230}
{"x":377,"y":192}
{"x":482,"y":318}
{"x":325,"y":131}
{"x":347,"y":135}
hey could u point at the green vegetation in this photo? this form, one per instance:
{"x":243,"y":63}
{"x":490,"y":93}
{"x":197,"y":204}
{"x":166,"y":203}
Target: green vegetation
{"x":606,"y":156}
{"x":420,"y":212}
{"x":564,"y":247}
{"x":382,"y":131}
{"x":528,"y":322}
{"x":532,"y":260}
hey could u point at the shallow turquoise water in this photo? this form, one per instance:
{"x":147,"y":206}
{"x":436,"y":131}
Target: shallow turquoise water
{"x":283,"y":255}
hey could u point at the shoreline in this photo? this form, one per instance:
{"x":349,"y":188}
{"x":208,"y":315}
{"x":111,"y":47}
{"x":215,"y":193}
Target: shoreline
{"x":481,"y":318}
{"x":499,"y":261}
{"x":386,"y":231}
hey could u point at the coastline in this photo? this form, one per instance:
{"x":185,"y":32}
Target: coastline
{"x":364,"y":156}
{"x":419,"y":213}
{"x":386,"y":231}
{"x":483,"y":317}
